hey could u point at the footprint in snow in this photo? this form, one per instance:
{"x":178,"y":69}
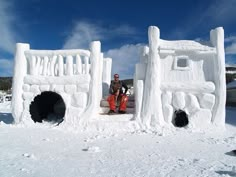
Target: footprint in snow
{"x":28,"y":155}
{"x":92,"y":149}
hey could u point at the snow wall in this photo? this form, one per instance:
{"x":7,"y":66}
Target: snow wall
{"x":79,"y":76}
{"x":181,"y":75}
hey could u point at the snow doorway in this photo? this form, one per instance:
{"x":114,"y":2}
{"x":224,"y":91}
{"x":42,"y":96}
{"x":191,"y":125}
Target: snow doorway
{"x":180,"y":118}
{"x":48,"y":106}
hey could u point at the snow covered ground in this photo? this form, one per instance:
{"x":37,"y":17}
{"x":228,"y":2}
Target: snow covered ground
{"x":41,"y":151}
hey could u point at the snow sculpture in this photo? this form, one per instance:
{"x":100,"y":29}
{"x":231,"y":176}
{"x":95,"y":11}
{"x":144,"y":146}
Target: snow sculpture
{"x":74,"y":75}
{"x":181,"y":75}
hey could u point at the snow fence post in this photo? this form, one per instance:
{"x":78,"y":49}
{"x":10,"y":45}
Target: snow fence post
{"x":138,"y":99}
{"x":100,"y":76}
{"x":20,"y":70}
{"x":106,"y":75}
{"x":152,"y":106}
{"x":93,"y":97}
{"x":217,"y":40}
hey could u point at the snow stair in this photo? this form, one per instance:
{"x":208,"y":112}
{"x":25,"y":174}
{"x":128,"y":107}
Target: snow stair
{"x":116,"y":122}
{"x":130,"y":105}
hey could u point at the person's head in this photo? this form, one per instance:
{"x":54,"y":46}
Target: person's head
{"x":116,"y":77}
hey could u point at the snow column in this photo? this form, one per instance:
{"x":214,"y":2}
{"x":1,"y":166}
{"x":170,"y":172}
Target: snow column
{"x":20,"y":70}
{"x":139,"y":77}
{"x":100,"y":76}
{"x":217,"y":39}
{"x":106,"y":76}
{"x":93,"y":100}
{"x":152,"y":107}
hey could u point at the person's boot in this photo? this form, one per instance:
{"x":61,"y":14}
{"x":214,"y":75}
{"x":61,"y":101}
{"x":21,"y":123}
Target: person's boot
{"x":111,"y":112}
{"x":122,"y":112}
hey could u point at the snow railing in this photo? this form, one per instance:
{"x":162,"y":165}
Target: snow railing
{"x":58,"y":62}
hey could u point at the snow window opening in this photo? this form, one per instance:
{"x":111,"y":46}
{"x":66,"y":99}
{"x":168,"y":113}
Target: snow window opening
{"x":182,"y":63}
{"x":49,"y":107}
{"x":180,"y":118}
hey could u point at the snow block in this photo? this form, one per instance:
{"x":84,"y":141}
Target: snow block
{"x":207,"y":101}
{"x":26,"y":88}
{"x":35,"y":89}
{"x":70,"y":89}
{"x":179,"y":100}
{"x":44,"y":88}
{"x":166,"y":98}
{"x":59,"y":88}
{"x":79,"y":100}
{"x":168,"y":113}
{"x":201,"y":118}
{"x":192,"y":104}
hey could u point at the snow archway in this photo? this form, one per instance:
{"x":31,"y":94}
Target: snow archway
{"x":48,"y":106}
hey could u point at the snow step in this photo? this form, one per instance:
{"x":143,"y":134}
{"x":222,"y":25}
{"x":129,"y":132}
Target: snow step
{"x":106,"y":110}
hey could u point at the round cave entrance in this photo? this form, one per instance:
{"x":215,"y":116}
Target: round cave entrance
{"x":48,"y":106}
{"x":180,"y":118}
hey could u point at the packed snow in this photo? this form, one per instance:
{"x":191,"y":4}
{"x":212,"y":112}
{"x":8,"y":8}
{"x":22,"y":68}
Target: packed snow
{"x":41,"y":151}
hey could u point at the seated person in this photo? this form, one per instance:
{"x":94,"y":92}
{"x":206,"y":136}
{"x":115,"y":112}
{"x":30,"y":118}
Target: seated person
{"x":117,"y":96}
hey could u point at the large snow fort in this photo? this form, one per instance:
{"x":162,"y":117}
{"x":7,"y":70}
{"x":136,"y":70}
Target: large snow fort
{"x":181,"y":82}
{"x":176,"y":83}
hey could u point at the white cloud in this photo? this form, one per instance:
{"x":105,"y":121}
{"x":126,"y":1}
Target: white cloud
{"x":230,"y":45}
{"x":7,"y":42}
{"x":231,"y":49}
{"x":218,"y":13}
{"x":82,"y":34}
{"x":230,"y":39}
{"x":221,"y":11}
{"x":85,"y":32}
{"x":6,"y":67}
{"x":124,"y":60}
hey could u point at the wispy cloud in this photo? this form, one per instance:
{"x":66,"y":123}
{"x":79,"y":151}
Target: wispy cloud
{"x":230,"y":39}
{"x":7,"y":40}
{"x":6,"y":67}
{"x":230,"y":43}
{"x":124,"y":60}
{"x":85,"y":32}
{"x":82,"y":34}
{"x":218,"y":13}
{"x":231,"y":49}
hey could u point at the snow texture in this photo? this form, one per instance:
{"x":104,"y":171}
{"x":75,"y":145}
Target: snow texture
{"x":41,"y":150}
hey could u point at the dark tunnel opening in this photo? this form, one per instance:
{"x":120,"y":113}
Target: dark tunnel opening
{"x":180,"y":118}
{"x":48,"y":106}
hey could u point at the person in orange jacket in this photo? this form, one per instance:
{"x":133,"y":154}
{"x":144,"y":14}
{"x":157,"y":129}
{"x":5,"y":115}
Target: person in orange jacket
{"x":117,"y":97}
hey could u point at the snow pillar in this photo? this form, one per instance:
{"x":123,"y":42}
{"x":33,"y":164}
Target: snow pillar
{"x":138,"y":99}
{"x":69,"y":65}
{"x":152,"y":107}
{"x":78,"y":64}
{"x":144,"y":54}
{"x":217,"y":39}
{"x":100,"y":76}
{"x":60,"y":66}
{"x":20,"y":70}
{"x":106,"y":75}
{"x":93,"y":100}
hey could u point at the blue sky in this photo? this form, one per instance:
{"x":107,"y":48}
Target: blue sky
{"x":120,"y":25}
